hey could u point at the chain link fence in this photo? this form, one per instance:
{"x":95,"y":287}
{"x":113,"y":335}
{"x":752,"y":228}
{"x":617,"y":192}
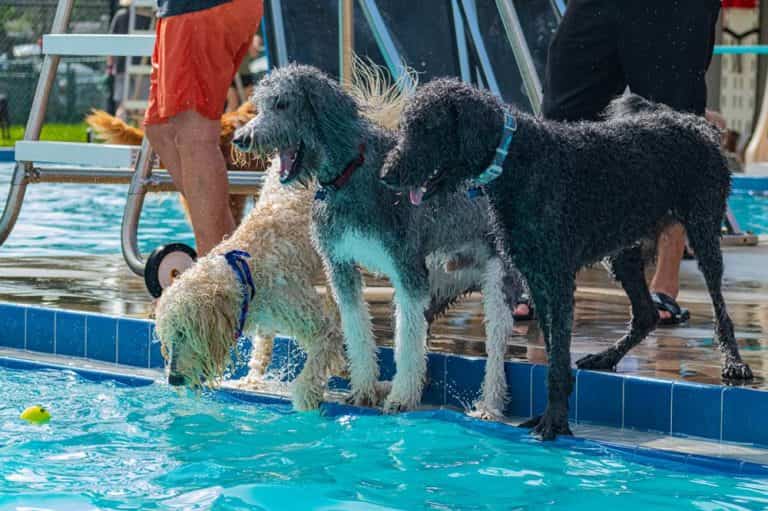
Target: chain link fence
{"x":81,"y":82}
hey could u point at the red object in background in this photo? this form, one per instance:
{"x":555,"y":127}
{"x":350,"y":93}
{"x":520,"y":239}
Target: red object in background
{"x":740,"y":4}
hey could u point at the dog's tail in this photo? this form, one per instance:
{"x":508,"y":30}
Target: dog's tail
{"x":381,"y":100}
{"x":113,"y":130}
{"x":631,"y":104}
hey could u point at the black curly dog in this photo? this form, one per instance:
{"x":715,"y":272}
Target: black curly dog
{"x":573,"y":194}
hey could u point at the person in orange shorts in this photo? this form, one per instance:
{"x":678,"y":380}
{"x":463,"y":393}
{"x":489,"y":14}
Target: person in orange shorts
{"x":198,"y":48}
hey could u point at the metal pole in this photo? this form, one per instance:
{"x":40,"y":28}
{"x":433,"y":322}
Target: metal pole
{"x":34,"y":122}
{"x":559,"y":7}
{"x":281,"y":49}
{"x":133,"y":205}
{"x":346,"y":40}
{"x":395,"y":62}
{"x":461,"y":42}
{"x":470,"y":15}
{"x":522,"y":53}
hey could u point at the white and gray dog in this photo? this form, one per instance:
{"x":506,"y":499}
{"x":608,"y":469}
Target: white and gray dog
{"x":431,"y":254}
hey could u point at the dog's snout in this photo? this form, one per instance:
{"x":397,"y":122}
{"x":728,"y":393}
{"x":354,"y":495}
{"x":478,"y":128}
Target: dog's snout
{"x":243,"y":139}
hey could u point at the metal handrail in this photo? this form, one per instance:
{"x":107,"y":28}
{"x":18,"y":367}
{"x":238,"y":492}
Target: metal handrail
{"x":395,"y":63}
{"x":747,"y":49}
{"x":18,"y":185}
{"x":470,"y":15}
{"x":129,"y":229}
{"x":240,"y":182}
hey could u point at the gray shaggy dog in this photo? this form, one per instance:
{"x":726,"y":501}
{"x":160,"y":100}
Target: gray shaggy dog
{"x":566,"y":195}
{"x":430,"y":255}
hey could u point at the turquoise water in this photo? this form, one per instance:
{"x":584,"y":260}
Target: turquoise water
{"x":110,"y":446}
{"x":751,"y":211}
{"x":64,"y":219}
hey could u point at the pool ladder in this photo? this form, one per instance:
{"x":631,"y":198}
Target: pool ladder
{"x":65,"y":162}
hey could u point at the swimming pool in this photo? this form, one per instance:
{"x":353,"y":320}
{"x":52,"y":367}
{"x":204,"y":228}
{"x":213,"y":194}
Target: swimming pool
{"x":116,"y":446}
{"x":751,"y":211}
{"x":76,"y":219}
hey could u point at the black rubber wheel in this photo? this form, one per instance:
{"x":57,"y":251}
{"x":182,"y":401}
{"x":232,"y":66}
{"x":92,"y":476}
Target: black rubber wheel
{"x":164,"y":264}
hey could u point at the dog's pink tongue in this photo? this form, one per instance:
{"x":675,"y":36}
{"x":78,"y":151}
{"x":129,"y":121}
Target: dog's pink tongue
{"x":416,"y":194}
{"x":286,"y":161}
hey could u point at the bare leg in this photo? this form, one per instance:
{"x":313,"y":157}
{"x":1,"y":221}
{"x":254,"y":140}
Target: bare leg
{"x":205,"y":182}
{"x":162,"y":137}
{"x":671,"y":246}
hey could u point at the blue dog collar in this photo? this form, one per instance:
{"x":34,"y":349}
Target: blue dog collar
{"x":237,"y":261}
{"x":496,"y":167}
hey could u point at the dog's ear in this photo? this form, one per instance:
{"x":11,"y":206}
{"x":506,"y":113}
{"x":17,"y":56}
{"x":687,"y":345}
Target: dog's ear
{"x":330,"y":106}
{"x":478,"y":126}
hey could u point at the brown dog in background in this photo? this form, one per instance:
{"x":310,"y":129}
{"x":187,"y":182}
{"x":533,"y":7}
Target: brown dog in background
{"x":113,"y":130}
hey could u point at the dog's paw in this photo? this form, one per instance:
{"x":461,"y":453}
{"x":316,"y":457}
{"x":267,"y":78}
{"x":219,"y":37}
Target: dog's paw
{"x":367,"y":397}
{"x":306,"y":396}
{"x":736,"y":370}
{"x":530,"y":423}
{"x":604,"y":361}
{"x":550,"y":425}
{"x":400,"y":402}
{"x":487,"y":412}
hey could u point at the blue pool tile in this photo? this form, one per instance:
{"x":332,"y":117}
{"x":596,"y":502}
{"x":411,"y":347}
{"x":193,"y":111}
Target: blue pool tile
{"x":464,"y":380}
{"x":101,"y":338}
{"x":600,"y":398}
{"x":538,"y":389}
{"x":744,"y":413}
{"x":539,"y":392}
{"x":696,"y":410}
{"x":12,"y":326}
{"x":435,"y":389}
{"x":241,"y":355}
{"x":133,"y":342}
{"x":647,"y":404}
{"x":298,"y":359}
{"x":386,"y":363}
{"x":40,"y":330}
{"x":518,"y":376}
{"x":281,"y":356}
{"x":156,"y":360}
{"x":70,"y":334}
{"x":338,"y":383}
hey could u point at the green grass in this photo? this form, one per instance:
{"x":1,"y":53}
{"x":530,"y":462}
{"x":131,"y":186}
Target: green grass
{"x":51,"y":132}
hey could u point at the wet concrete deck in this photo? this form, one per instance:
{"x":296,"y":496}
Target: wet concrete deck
{"x":104,"y":284}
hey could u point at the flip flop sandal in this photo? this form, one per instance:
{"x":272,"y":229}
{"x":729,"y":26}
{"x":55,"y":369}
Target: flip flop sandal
{"x":525,"y":300}
{"x":666,"y":303}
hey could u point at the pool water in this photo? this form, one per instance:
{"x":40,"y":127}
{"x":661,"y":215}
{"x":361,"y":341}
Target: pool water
{"x":76,"y":219}
{"x":751,"y":211}
{"x":112,"y":446}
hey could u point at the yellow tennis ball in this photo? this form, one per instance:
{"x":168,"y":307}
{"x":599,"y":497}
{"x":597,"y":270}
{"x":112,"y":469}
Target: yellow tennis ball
{"x":36,"y":415}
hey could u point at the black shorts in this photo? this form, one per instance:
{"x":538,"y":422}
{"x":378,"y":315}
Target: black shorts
{"x":661,"y":49}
